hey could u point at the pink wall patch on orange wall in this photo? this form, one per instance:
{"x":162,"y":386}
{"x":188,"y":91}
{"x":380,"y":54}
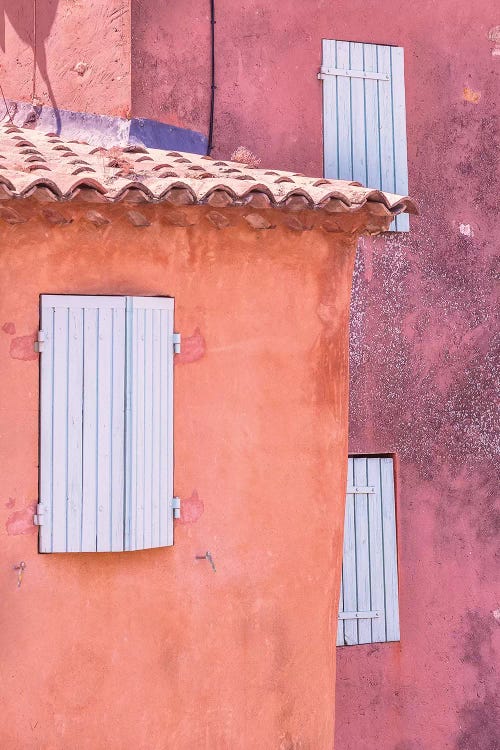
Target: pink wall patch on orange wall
{"x":191,"y":508}
{"x":9,"y":328}
{"x":22,"y":347}
{"x":21,"y":521}
{"x":193,"y":348}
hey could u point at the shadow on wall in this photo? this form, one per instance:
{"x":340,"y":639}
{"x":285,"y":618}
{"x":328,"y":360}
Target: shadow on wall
{"x":32,"y":21}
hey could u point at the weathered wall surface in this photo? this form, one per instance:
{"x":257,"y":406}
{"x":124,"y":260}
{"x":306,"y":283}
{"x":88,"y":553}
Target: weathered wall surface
{"x":422,"y":350}
{"x":152,"y":649}
{"x":81,"y":49}
{"x":423,"y":323}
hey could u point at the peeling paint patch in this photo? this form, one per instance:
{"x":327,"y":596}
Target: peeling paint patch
{"x":21,"y":521}
{"x":9,"y":328}
{"x":193,"y":348}
{"x":22,"y":347}
{"x":471,"y":96}
{"x":11,"y":502}
{"x":191,"y":508}
{"x":494,"y":36}
{"x":466,"y":230}
{"x":496,"y":615}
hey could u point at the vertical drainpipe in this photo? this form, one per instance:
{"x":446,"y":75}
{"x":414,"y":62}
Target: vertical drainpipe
{"x":212,"y":85}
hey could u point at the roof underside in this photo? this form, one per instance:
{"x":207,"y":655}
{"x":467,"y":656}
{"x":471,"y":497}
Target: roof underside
{"x":31,"y":161}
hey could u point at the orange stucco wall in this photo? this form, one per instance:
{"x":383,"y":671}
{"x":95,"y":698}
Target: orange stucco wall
{"x":152,"y":650}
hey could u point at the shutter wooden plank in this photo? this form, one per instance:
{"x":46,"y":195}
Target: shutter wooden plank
{"x":46,"y":412}
{"x":358,"y":116}
{"x":149,"y":471}
{"x":377,"y":584}
{"x":386,"y":125}
{"x":349,"y":565}
{"x":362,"y":551}
{"x":118,"y":431}
{"x":148,"y":420}
{"x":104,"y":432}
{"x":344,"y":113}
{"x":60,"y":431}
{"x":75,"y":428}
{"x":89,"y":515}
{"x":156,"y":428}
{"x":390,"y":549}
{"x":330,"y":116}
{"x":373,"y":177}
{"x":340,"y":623}
{"x":402,"y":222}
{"x":365,"y":119}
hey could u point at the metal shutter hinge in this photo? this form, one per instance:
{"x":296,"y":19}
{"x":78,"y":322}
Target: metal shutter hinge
{"x":361,"y":491}
{"x":359,"y":615}
{"x":38,"y":517}
{"x":176,"y":340}
{"x":324,"y":72}
{"x":176,"y":507}
{"x":40,"y":340}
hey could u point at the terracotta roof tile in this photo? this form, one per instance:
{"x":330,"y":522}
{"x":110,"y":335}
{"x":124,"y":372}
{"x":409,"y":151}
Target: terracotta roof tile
{"x":31,"y":159}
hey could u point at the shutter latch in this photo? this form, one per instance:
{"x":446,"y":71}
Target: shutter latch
{"x":176,"y":340}
{"x":176,"y":507}
{"x":40,"y":340}
{"x":38,"y":517}
{"x":361,"y":491}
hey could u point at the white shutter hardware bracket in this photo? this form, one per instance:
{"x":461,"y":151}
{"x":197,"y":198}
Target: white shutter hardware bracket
{"x":359,"y":615}
{"x":176,"y":340}
{"x":38,"y":517}
{"x":324,"y":72}
{"x":40,"y":340}
{"x":361,"y":491}
{"x":176,"y":507}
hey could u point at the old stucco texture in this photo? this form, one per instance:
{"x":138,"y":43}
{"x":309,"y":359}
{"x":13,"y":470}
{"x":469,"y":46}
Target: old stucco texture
{"x":153,"y":649}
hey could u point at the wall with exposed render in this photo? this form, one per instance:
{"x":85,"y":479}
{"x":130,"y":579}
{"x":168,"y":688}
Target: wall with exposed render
{"x":423,"y":314}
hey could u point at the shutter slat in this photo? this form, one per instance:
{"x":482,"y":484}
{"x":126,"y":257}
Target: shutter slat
{"x":118,"y":431}
{"x":349,"y":564}
{"x":89,"y":516}
{"x":362,"y":552}
{"x":330,"y":115}
{"x":400,"y":145}
{"x":390,"y":550}
{"x":75,"y":428}
{"x":358,"y":116}
{"x":364,"y":119}
{"x":46,"y":411}
{"x":376,"y":551}
{"x":344,"y":130}
{"x":60,"y":430}
{"x":149,"y":480}
{"x":104,"y":403}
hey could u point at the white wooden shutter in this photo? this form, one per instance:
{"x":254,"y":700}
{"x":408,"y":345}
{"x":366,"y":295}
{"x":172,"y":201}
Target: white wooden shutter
{"x":368,"y":610}
{"x":364,"y":117}
{"x":91,"y":356}
{"x":149,"y":446}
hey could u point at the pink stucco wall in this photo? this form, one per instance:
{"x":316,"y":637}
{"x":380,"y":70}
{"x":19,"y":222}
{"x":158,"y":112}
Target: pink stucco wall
{"x":422,"y":314}
{"x":422,"y":320}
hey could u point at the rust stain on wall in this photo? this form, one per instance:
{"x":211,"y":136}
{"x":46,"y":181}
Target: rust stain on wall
{"x":471,"y":96}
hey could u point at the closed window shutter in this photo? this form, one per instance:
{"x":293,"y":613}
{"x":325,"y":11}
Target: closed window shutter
{"x":364,"y":117}
{"x":90,"y":445}
{"x":368,"y":610}
{"x":149,"y":446}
